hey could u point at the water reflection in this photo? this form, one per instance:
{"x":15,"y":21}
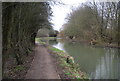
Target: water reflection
{"x":108,"y":65}
{"x":99,"y":63}
{"x":58,"y":44}
{"x":53,"y":42}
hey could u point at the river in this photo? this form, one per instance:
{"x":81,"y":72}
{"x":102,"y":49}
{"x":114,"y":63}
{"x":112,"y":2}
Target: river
{"x":97,"y":62}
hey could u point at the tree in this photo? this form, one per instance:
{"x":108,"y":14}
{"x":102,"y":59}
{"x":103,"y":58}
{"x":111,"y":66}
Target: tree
{"x":118,"y":23}
{"x":20,"y":24}
{"x":94,"y":20}
{"x":82,"y":23}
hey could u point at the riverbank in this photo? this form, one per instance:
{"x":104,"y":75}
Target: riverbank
{"x":66,"y":70}
{"x":98,"y":43}
{"x":95,"y":61}
{"x":69,"y":70}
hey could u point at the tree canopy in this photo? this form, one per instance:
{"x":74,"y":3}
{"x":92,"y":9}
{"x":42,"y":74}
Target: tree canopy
{"x":94,"y":20}
{"x":21,"y":22}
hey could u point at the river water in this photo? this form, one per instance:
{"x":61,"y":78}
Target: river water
{"x":97,"y":62}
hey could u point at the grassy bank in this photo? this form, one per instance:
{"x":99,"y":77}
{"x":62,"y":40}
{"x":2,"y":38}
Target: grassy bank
{"x":46,"y":38}
{"x":39,"y":40}
{"x":98,"y":43}
{"x":70,"y":69}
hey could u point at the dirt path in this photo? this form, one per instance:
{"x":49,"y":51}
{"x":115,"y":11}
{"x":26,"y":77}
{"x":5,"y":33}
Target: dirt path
{"x":42,"y":66}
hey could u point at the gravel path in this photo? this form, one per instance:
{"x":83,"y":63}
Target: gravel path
{"x":42,"y":66}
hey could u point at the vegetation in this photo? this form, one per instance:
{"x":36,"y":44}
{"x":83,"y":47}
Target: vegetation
{"x":39,"y":41}
{"x":44,"y":32}
{"x":55,"y":49}
{"x":20,"y":23}
{"x":94,"y":21}
{"x":71,"y":69}
{"x":23,"y":22}
{"x":18,"y":68}
{"x":53,"y":33}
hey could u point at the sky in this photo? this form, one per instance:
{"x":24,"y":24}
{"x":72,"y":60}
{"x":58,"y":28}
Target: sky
{"x":60,"y":12}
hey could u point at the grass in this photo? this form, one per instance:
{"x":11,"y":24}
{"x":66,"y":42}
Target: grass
{"x":67,"y":73}
{"x":18,"y":68}
{"x":48,"y":38}
{"x":39,"y":40}
{"x":71,"y":70}
{"x":55,"y":49}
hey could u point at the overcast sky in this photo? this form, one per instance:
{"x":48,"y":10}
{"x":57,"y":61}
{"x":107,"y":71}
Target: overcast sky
{"x":60,"y":12}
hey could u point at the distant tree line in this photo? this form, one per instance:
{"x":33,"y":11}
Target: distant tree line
{"x":94,"y":20}
{"x":44,"y":32}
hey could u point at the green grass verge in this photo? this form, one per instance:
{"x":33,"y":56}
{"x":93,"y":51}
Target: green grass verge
{"x":49,"y":38}
{"x":71,"y":70}
{"x":39,"y":40}
{"x":55,"y":49}
{"x":42,"y":39}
